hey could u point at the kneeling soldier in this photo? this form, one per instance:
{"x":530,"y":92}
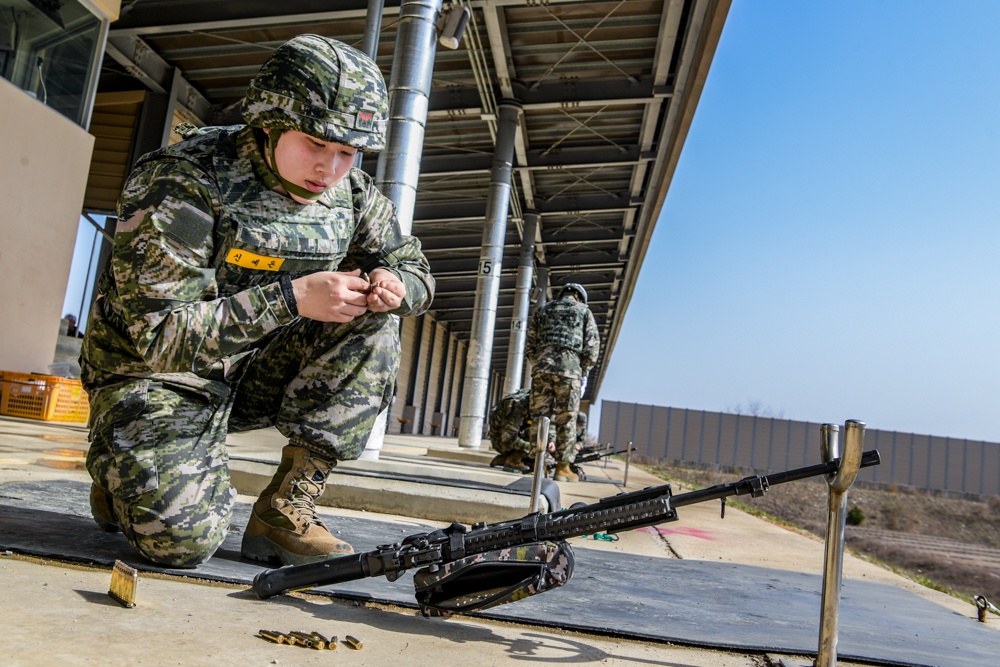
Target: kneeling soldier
{"x":235,"y":299}
{"x":510,"y":425}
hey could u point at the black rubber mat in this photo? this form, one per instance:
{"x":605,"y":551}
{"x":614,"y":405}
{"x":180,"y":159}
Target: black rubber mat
{"x":719,"y":605}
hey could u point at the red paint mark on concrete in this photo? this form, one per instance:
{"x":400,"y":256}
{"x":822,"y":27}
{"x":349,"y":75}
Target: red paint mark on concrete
{"x":690,"y":532}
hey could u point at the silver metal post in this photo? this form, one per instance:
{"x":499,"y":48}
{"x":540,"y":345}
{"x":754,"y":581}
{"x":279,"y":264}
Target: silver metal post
{"x":409,"y":96}
{"x":542,"y":444}
{"x":484,"y":314}
{"x":628,"y":462}
{"x":522,"y":299}
{"x":607,"y":452}
{"x":833,"y":565}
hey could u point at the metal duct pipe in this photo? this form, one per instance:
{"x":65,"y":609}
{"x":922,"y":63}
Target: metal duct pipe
{"x":522,"y":299}
{"x":484,"y":314}
{"x":409,"y":90}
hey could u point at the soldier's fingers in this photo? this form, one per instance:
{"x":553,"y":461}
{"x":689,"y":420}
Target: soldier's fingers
{"x":355,"y":283}
{"x":388,"y":297}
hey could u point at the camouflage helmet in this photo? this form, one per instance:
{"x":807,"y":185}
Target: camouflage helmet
{"x":323,"y":88}
{"x":570,"y":288}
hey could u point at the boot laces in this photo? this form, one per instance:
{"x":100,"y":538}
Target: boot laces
{"x":302,"y":498}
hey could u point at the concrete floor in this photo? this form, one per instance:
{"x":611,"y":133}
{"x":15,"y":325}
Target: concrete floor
{"x":65,"y":617}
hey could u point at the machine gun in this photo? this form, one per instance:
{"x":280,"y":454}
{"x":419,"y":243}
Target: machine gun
{"x":466,"y":569}
{"x":588,"y":454}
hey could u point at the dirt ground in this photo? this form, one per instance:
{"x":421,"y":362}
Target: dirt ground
{"x":804,"y":504}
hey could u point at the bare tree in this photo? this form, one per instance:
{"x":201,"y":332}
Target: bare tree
{"x":756,"y":408}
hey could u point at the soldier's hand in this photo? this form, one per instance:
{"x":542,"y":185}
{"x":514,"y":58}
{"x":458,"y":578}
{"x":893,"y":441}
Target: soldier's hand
{"x":331,"y":296}
{"x":387,"y":292}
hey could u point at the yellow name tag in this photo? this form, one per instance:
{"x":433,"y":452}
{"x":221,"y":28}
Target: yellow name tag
{"x":248,"y":260}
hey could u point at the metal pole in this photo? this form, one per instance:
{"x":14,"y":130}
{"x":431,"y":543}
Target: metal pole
{"x":541,"y":445}
{"x":628,"y":462}
{"x":833,"y":565}
{"x":369,"y":43}
{"x":484,"y":314}
{"x":522,"y":300}
{"x":409,"y":94}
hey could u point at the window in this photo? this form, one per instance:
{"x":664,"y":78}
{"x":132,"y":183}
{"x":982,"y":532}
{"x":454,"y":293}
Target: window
{"x":47,"y":49}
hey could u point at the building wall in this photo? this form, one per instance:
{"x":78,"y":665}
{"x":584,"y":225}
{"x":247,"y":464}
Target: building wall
{"x":42,"y":180}
{"x":763,"y":443}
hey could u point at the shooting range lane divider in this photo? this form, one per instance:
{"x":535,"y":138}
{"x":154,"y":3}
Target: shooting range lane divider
{"x":695,"y":603}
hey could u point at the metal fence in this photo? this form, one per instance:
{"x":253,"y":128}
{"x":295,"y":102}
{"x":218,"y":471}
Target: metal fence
{"x":765,"y":443}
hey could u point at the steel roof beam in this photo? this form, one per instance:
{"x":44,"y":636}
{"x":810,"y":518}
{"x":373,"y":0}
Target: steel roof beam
{"x":159,"y":18}
{"x":144,"y":64}
{"x":576,"y":204}
{"x":577,"y":157}
{"x":555,"y":94}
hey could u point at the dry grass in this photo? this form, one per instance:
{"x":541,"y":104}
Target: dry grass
{"x":804,"y":504}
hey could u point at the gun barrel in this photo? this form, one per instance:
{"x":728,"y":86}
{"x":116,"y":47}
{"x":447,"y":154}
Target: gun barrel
{"x":742,"y":487}
{"x":298,"y":577}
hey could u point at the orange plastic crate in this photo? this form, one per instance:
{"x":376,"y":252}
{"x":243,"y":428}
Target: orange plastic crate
{"x":43,"y":397}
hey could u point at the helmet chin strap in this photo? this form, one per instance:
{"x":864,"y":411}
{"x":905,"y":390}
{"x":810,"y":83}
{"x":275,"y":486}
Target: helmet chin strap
{"x":297,"y":190}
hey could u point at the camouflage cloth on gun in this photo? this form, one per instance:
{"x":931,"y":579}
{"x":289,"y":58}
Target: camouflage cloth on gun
{"x":510,"y":423}
{"x":562,"y":345}
{"x":192,"y":336}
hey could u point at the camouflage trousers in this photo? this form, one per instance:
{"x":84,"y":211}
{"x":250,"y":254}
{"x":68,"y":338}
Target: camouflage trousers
{"x":508,"y":445}
{"x":558,"y":398}
{"x":159,"y":447}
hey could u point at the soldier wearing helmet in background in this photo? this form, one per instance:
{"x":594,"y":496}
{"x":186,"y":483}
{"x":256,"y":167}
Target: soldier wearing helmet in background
{"x":253,"y":283}
{"x":562,"y":346}
{"x":510,"y":428}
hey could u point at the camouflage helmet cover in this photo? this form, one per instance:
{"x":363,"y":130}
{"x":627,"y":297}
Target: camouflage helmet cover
{"x":321,"y":87}
{"x":569,"y":288}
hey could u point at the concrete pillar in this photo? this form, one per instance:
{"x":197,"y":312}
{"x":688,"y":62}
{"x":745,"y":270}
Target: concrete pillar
{"x":522,"y":300}
{"x":477,"y":371}
{"x":409,"y":95}
{"x":428,"y":370}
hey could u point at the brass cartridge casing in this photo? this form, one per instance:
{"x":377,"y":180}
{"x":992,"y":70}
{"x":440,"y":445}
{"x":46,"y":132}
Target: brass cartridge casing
{"x":306,"y":640}
{"x":275,"y":637}
{"x":354,"y":642}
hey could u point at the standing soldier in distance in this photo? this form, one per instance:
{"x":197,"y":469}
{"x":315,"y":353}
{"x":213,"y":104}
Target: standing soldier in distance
{"x":562,"y":346}
{"x":237,"y":298}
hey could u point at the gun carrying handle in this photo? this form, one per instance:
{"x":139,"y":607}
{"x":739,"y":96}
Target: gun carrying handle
{"x":299,"y":577}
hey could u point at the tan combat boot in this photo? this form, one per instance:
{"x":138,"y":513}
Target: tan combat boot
{"x":101,"y":509}
{"x":513,"y":462}
{"x":565,"y":474}
{"x":283,"y":522}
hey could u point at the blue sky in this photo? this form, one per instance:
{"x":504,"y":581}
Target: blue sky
{"x":829,"y":245}
{"x":78,"y":275}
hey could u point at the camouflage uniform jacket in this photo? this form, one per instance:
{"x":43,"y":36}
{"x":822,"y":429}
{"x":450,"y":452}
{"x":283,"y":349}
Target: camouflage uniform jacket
{"x":510,"y":421}
{"x":202,"y":241}
{"x":562,"y":339}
